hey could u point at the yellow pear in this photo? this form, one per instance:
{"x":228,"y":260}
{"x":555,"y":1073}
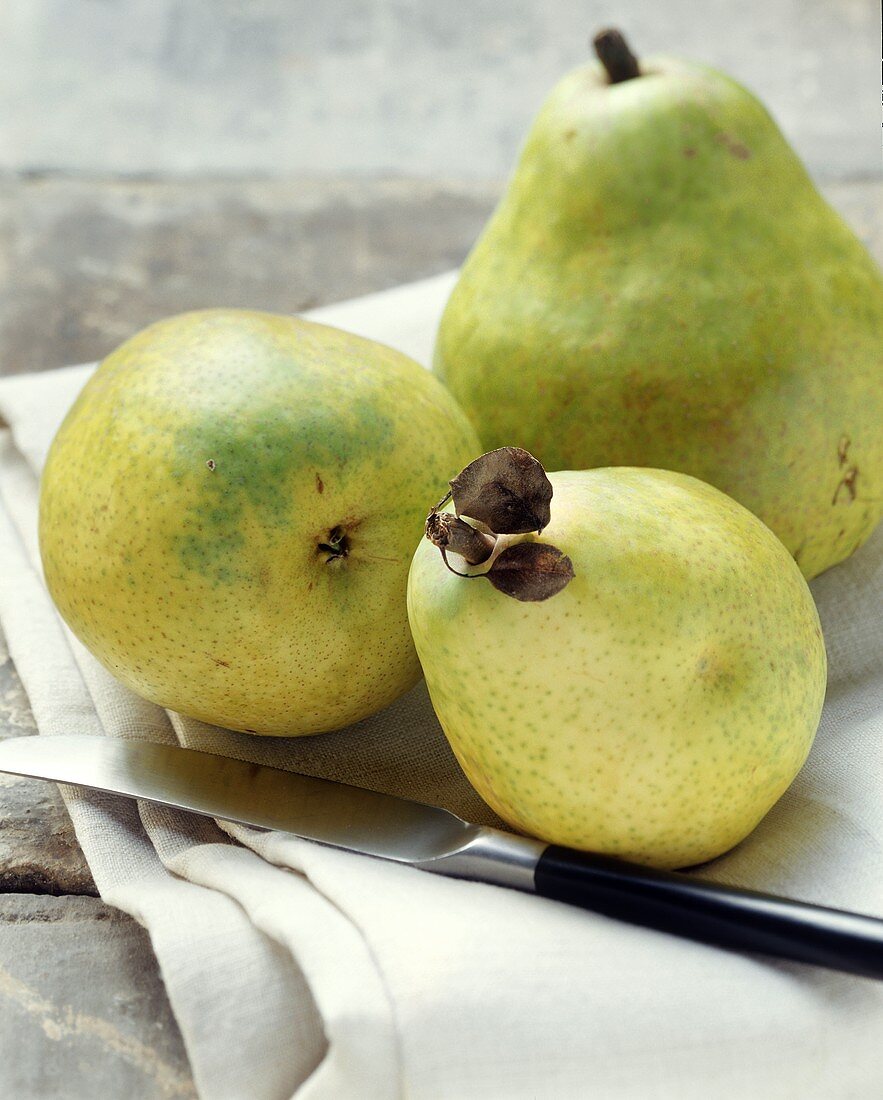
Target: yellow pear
{"x":229,"y":510}
{"x":659,"y":701}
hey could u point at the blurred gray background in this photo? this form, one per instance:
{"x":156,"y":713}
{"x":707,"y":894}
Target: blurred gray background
{"x":160,"y":155}
{"x":154,"y":88}
{"x":157,"y":155}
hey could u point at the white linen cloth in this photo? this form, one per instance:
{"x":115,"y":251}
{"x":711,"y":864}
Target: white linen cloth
{"x":297,"y":970}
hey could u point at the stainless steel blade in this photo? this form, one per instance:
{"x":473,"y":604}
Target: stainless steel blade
{"x":252,"y":794}
{"x":434,"y":840}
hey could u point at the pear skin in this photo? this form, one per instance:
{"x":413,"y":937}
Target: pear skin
{"x":229,"y":511}
{"x":662,"y":285}
{"x":657,"y":706}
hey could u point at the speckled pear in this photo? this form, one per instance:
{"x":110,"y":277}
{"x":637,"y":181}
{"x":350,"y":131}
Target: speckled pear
{"x":229,"y":510}
{"x":662,"y":285}
{"x":658,"y":705}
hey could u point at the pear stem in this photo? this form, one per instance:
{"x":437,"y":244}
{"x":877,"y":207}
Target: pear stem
{"x":615,"y":55}
{"x":449,"y":533}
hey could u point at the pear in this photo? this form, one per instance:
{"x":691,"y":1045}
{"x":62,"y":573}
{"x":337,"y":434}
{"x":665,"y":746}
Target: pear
{"x":655,"y":683}
{"x":229,"y":511}
{"x":662,"y":285}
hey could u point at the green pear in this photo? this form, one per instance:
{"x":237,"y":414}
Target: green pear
{"x":659,"y":701}
{"x":662,"y":285}
{"x":229,"y":510}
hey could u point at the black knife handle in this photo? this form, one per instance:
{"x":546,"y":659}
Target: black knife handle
{"x":712,"y":913}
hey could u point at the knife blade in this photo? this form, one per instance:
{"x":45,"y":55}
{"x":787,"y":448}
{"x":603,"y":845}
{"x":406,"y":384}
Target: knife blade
{"x":433,"y":839}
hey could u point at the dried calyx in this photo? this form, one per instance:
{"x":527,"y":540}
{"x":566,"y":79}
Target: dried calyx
{"x":449,"y":532}
{"x":507,"y":490}
{"x":507,"y":493}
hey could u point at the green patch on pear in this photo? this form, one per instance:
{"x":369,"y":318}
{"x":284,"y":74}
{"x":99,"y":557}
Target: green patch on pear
{"x":229,"y":510}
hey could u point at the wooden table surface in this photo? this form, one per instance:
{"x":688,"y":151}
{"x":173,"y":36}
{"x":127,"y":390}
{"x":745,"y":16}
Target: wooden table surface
{"x":87,"y":263}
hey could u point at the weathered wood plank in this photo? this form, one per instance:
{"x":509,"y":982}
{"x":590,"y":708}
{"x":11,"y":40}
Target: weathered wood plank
{"x":39,"y":853}
{"x":83,"y":1011}
{"x":94,"y":262}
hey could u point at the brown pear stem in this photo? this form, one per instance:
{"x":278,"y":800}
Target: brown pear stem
{"x":455,"y":536}
{"x":616,"y":57}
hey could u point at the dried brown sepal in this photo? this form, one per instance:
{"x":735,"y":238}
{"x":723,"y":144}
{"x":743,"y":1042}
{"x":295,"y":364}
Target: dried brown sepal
{"x":531,"y":571}
{"x":507,"y":490}
{"x":454,"y":535}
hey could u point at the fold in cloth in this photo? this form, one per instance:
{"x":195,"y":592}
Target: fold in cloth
{"x":298,"y":970}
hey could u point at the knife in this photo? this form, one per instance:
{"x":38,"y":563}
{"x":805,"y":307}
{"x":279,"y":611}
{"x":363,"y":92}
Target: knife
{"x":433,"y":839}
